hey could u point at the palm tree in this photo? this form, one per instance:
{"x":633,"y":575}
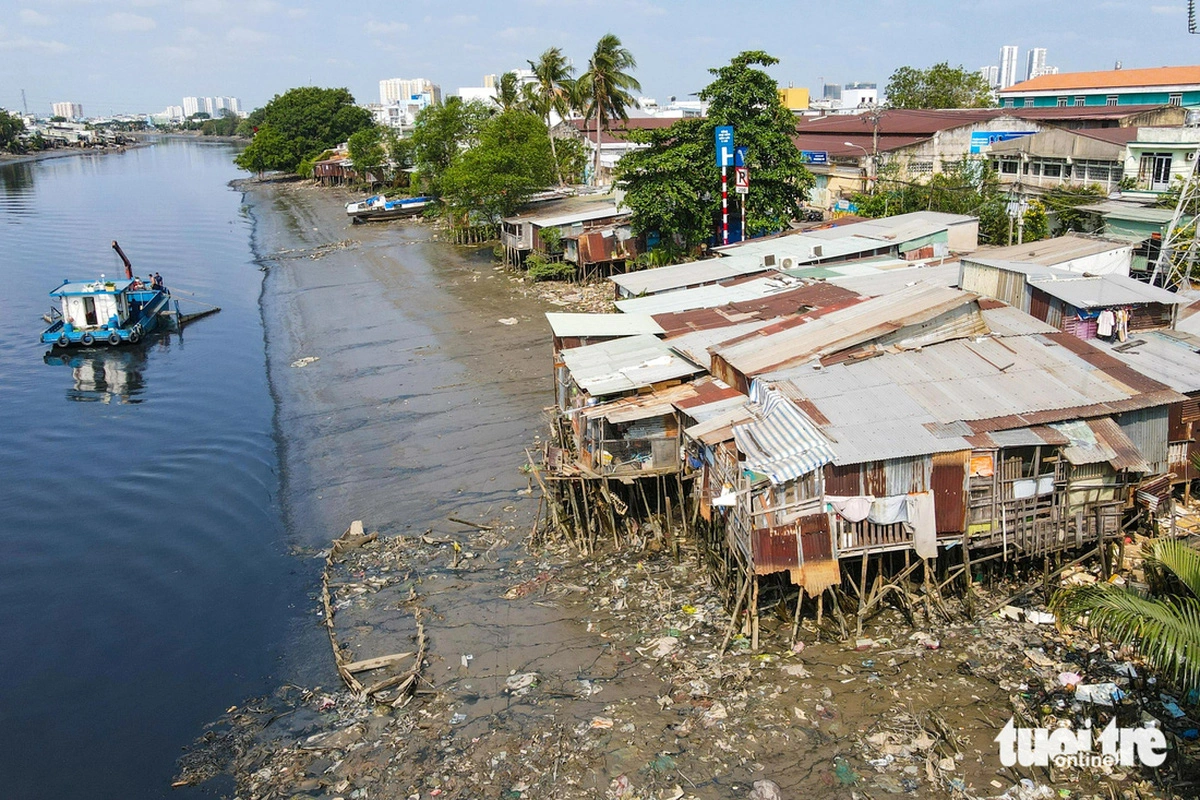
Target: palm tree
{"x":508,"y":93}
{"x":1164,"y":626}
{"x":551,"y":93}
{"x":606,"y":85}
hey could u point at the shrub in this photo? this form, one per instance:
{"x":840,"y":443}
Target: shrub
{"x":540,"y":268}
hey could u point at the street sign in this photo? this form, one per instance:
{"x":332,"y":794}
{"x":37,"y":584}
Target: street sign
{"x":820,"y":157}
{"x":741,"y":180}
{"x":739,"y":156}
{"x":724,"y":138}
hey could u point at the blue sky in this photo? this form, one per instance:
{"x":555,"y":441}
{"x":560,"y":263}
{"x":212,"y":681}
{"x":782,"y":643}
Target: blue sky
{"x":142,"y":55}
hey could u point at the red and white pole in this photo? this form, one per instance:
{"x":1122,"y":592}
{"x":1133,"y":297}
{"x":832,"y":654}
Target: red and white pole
{"x":724,"y":204}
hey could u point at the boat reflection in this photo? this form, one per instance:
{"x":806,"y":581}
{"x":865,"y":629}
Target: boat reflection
{"x":104,"y":376}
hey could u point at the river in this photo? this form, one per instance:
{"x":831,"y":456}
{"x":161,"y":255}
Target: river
{"x":146,"y":581}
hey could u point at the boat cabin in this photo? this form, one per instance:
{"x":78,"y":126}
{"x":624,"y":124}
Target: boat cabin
{"x":91,"y":305}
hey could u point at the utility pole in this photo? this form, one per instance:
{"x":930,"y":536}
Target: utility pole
{"x":23,"y":103}
{"x":873,"y":117}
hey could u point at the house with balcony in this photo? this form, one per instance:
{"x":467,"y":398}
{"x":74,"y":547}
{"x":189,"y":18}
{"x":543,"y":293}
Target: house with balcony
{"x":1157,"y":157}
{"x":1058,"y":157}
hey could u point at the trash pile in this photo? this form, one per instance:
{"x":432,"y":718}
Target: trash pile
{"x":650,"y":692}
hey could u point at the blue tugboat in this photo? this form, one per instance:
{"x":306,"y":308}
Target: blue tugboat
{"x":106,"y":311}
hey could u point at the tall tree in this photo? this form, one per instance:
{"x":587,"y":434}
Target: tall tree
{"x":11,"y":127}
{"x":441,"y":133}
{"x":508,"y":93}
{"x":671,"y":186}
{"x":511,"y":160}
{"x":305,"y":122}
{"x":940,"y":86}
{"x":366,"y":152}
{"x":607,"y":85}
{"x":551,"y":93}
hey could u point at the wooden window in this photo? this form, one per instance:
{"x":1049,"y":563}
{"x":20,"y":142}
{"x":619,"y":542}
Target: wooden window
{"x":1111,"y":100}
{"x":1062,"y":102}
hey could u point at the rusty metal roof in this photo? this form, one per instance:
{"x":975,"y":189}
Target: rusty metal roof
{"x":812,"y":299}
{"x":589,"y":325}
{"x":846,"y":328}
{"x":1169,"y":357}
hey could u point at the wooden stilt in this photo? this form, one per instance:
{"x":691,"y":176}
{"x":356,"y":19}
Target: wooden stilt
{"x":754,"y":615}
{"x":796,"y":616}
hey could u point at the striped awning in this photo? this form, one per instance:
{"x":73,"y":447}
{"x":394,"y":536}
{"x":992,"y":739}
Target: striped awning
{"x":782,"y":443}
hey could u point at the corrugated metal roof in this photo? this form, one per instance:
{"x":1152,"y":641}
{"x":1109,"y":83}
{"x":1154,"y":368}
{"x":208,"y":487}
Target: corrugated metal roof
{"x":643,"y":406}
{"x":1169,"y":357}
{"x":1098,"y":291}
{"x":586,"y":325}
{"x":1049,"y":252}
{"x":818,"y":297}
{"x":694,"y":345}
{"x":844,"y":329}
{"x":1117,"y":209}
{"x":781,"y":443}
{"x":682,"y":276}
{"x":1100,"y":441}
{"x":1009,"y":321}
{"x":886,"y":281}
{"x":625,"y":364}
{"x":708,"y":296}
{"x":893,"y":405}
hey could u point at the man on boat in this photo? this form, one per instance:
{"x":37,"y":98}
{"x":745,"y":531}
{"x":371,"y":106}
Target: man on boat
{"x":156,"y":282}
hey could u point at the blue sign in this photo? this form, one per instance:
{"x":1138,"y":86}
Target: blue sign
{"x":739,"y":156}
{"x":981,"y":139}
{"x":724,"y":136}
{"x":814,"y":157}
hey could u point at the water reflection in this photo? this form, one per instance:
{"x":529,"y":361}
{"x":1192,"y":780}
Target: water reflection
{"x":104,"y":376}
{"x":16,"y":178}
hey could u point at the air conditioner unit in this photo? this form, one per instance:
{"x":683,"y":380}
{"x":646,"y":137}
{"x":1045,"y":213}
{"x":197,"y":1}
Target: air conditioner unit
{"x":787,"y":263}
{"x":1191,"y":156}
{"x":768,"y":260}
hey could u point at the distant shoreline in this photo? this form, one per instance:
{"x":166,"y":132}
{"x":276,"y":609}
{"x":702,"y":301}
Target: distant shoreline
{"x":64,"y":152}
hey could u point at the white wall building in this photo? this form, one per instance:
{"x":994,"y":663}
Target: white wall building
{"x":68,"y":110}
{"x":191,"y":106}
{"x":855,"y":95}
{"x":1035,"y":62}
{"x":1008,"y":65}
{"x":477,"y":94}
{"x":403,"y":90}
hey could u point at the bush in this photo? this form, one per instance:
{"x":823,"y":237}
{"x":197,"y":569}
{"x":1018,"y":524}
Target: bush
{"x":540,"y":268}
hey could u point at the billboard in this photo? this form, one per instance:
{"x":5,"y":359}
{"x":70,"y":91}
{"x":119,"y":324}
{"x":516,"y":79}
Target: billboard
{"x":982,"y":139}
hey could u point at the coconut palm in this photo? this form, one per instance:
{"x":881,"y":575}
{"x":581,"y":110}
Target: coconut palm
{"x":607,"y":85}
{"x":1164,"y":625}
{"x":508,"y":93}
{"x":551,"y":93}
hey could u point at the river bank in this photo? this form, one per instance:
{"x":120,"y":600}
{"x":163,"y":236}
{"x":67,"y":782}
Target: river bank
{"x":65,"y":152}
{"x":409,"y":376}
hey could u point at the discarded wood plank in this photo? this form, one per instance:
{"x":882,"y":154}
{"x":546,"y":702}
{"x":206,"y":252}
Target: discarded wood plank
{"x":375,"y":663}
{"x":475,"y":525}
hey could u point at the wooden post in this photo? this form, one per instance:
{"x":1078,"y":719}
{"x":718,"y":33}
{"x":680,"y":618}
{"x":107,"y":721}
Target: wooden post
{"x":754,"y":615}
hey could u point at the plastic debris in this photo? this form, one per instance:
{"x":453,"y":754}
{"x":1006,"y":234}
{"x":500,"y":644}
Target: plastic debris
{"x":1102,"y":694}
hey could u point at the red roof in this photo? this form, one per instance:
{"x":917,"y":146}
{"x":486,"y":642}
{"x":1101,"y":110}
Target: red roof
{"x":616,"y":127}
{"x":835,"y":144}
{"x":900,"y":121}
{"x":820,"y":297}
{"x":1108,"y":79}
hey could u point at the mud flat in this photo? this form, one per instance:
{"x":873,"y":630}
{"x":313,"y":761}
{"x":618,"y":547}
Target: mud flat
{"x":409,"y":377}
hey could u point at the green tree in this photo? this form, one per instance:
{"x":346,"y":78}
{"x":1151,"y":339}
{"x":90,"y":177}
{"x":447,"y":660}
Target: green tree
{"x":304,"y":122}
{"x":508,"y":93}
{"x":222,"y":126}
{"x":1164,"y":624}
{"x":570,"y":160}
{"x":1063,"y":202}
{"x":11,"y":128}
{"x":607,"y":85}
{"x":671,"y":186}
{"x":551,"y":93}
{"x":511,"y":161}
{"x":367,"y":153}
{"x":250,"y":125}
{"x":940,"y":86}
{"x":441,"y":133}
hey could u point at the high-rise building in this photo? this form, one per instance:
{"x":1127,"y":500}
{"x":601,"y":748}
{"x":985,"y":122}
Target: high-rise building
{"x":833,"y":91}
{"x":991,"y":74}
{"x":400,"y":90}
{"x":1035,"y":63}
{"x":191,"y":106}
{"x":67,"y":110}
{"x":491,"y":81}
{"x":1008,"y":65}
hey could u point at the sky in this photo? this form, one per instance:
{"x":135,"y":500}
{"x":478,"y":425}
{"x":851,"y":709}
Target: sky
{"x":133,"y":56}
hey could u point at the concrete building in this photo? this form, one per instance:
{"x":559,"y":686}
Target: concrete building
{"x":401,"y":90}
{"x":857,"y":95}
{"x":191,"y":106}
{"x":833,"y":91}
{"x":1035,"y":62}
{"x":1008,"y":65}
{"x":991,"y":74}
{"x":68,"y":110}
{"x":1177,"y":86}
{"x":794,"y":99}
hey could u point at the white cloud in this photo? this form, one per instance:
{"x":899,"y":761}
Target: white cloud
{"x":517,"y":34}
{"x":245,"y":37}
{"x":206,"y":6}
{"x":1167,"y":9}
{"x":463,"y":19}
{"x":30,"y":17}
{"x":145,"y":3}
{"x":125,"y":21}
{"x":260,"y":6}
{"x":170,"y":53}
{"x":385,"y":28}
{"x":33,"y":45}
{"x":297,"y":13}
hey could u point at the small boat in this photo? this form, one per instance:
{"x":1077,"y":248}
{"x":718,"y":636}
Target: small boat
{"x":105,"y":311}
{"x":379,"y":207}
